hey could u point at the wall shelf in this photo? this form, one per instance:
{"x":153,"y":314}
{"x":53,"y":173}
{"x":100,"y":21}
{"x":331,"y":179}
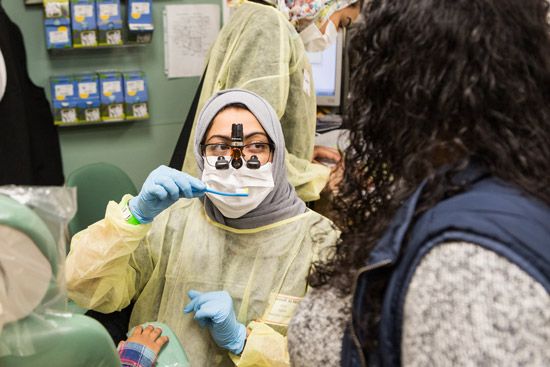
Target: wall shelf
{"x":77,"y":50}
{"x":97,"y":123}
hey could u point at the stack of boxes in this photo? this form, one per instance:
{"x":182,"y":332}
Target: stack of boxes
{"x":135,"y":96}
{"x":112,"y":96}
{"x":83,"y":23}
{"x":106,"y":96}
{"x":91,"y":23}
{"x":88,"y":102}
{"x":109,"y":22}
{"x":57,"y":23}
{"x":140,"y":21}
{"x":64,"y":99}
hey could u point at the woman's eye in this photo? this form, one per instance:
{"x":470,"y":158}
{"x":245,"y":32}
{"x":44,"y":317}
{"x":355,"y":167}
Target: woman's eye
{"x":257,"y":148}
{"x":219,"y":147}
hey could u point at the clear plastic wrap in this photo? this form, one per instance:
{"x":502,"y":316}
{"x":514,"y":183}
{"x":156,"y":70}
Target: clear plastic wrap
{"x":55,"y":205}
{"x":33,"y":246}
{"x":35,"y":327}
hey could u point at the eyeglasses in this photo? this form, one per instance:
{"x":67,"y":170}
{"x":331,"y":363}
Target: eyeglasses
{"x":252,"y":152}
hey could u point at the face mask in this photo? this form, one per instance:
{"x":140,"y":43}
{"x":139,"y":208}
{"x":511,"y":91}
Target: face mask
{"x":259,"y":183}
{"x":315,"y":41}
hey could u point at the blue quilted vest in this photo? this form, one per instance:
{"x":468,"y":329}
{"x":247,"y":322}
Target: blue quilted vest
{"x":491,"y":213}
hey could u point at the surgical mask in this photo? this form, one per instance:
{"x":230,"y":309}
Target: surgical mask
{"x":258,"y":182}
{"x":315,"y":41}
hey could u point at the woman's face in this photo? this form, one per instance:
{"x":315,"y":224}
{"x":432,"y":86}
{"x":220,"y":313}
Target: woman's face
{"x":343,"y":17}
{"x":218,"y":136}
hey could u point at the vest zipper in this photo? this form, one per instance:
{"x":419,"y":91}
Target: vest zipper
{"x":354,"y":336}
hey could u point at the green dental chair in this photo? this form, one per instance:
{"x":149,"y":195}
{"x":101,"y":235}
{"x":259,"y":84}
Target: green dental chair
{"x":35,"y":328}
{"x":97,"y":184}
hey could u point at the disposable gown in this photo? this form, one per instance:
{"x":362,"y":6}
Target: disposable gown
{"x":264,"y":269}
{"x":259,"y":50}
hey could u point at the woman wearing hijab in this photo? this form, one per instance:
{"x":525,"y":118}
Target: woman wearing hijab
{"x":262,"y":49}
{"x":220,"y":271}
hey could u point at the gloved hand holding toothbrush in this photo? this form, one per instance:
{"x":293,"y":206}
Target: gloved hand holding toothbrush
{"x":162,"y":188}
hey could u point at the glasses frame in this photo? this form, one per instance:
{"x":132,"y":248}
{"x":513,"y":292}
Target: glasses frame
{"x":240,"y":148}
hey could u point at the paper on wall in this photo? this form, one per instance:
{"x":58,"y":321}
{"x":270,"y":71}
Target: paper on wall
{"x":189,"y":31}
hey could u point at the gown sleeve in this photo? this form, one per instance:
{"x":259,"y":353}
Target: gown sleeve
{"x":103,"y":269}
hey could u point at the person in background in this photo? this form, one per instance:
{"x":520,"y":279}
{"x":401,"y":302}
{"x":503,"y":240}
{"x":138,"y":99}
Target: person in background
{"x":224,"y":272}
{"x":444,"y":259}
{"x":29,"y":143}
{"x":262,"y":49}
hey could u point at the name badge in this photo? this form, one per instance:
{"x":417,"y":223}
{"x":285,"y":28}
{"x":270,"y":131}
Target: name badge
{"x":281,"y":309}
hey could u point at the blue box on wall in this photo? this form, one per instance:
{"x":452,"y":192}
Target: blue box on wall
{"x":140,"y":21}
{"x":57,"y":23}
{"x":64,"y":99}
{"x":112,"y":96}
{"x":109,"y":22}
{"x":58,"y":36}
{"x":56,"y":12}
{"x":88,"y":103}
{"x":136,"y":98}
{"x":84,"y":25}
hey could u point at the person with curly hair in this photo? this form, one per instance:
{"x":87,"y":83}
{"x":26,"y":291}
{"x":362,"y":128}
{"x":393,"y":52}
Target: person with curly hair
{"x":444,"y":257}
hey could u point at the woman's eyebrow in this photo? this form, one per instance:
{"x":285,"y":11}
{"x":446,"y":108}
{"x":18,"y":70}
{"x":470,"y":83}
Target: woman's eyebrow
{"x":228,"y":138}
{"x":222,"y":137}
{"x":248,"y":136}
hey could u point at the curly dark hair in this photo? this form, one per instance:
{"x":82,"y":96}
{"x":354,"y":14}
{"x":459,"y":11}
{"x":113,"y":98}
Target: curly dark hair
{"x":438,"y":82}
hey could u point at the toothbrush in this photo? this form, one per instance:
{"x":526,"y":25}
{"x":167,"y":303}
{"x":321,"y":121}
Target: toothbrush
{"x":240,"y":192}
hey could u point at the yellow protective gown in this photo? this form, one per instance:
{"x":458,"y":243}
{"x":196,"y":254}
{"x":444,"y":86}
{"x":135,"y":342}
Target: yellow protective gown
{"x":264,"y":269}
{"x":259,"y":50}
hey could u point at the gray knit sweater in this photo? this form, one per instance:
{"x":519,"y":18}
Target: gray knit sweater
{"x":465,"y":306}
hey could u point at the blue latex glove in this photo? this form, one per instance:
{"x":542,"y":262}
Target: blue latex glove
{"x":215,"y":311}
{"x":162,"y":188}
